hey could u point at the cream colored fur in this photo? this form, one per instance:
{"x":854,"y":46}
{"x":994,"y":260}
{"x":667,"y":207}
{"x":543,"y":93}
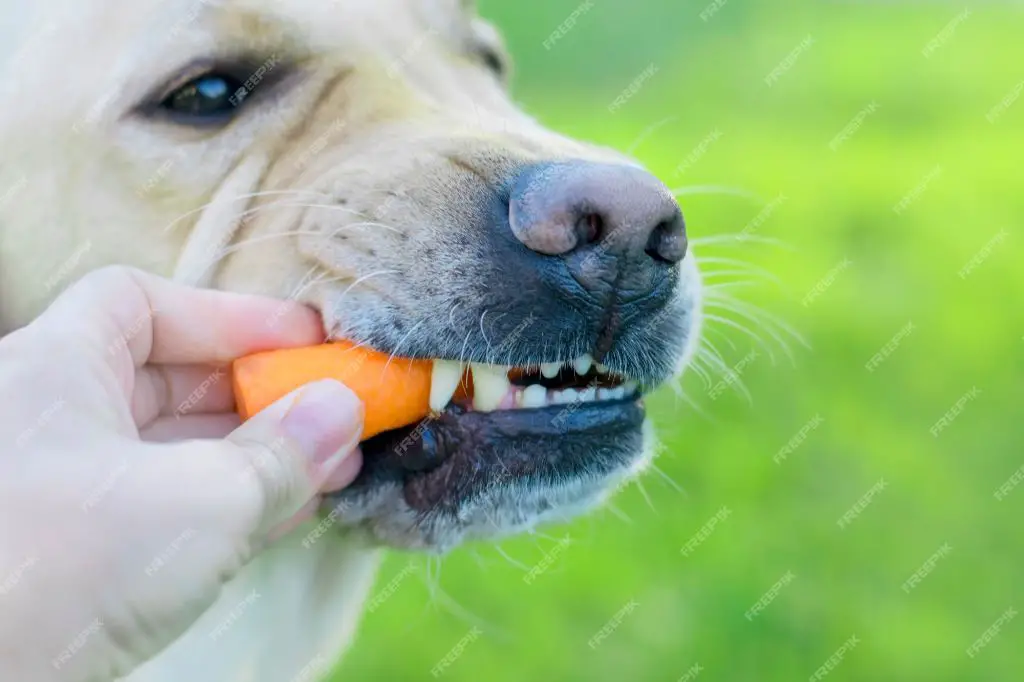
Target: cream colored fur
{"x":380,"y":132}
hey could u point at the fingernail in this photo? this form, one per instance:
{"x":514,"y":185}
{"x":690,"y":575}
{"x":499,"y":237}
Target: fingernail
{"x":326,"y":421}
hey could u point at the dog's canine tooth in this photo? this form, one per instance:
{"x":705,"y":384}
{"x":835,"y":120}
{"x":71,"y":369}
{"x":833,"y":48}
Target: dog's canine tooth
{"x":490,"y":385}
{"x":582,"y":364}
{"x":549,"y":370}
{"x":444,"y":381}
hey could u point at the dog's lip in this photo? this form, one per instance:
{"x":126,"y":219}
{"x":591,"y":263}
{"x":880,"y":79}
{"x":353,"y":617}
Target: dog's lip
{"x":417,"y":452}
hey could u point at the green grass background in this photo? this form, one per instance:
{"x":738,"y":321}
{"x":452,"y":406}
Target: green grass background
{"x":967,"y":333}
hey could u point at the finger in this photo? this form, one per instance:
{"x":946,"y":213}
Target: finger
{"x":179,"y":390}
{"x":278,"y":460}
{"x":125,"y":314}
{"x":191,"y":426}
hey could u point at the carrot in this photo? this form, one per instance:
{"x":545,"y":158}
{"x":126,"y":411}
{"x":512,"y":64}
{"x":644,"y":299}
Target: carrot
{"x":395,"y":391}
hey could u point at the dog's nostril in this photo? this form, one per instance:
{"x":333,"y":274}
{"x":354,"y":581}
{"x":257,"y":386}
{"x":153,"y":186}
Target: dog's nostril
{"x":589,"y":228}
{"x":667,"y":242}
{"x":620,"y":212}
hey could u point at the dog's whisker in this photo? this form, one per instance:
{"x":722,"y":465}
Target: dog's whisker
{"x":241,"y":197}
{"x":715,"y":189}
{"x":708,"y":275}
{"x":738,"y":284}
{"x":668,"y":479}
{"x":614,"y":509}
{"x":395,"y":352}
{"x":761,"y":315}
{"x":643,"y":491}
{"x":744,"y":265}
{"x":650,"y":130}
{"x":681,"y":394}
{"x":518,"y":564}
{"x":742,"y":328}
{"x":739,"y":239}
{"x":775,"y":327}
{"x":716,"y":364}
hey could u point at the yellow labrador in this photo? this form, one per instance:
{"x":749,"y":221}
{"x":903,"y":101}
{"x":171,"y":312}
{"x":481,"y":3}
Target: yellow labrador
{"x":363,"y":157}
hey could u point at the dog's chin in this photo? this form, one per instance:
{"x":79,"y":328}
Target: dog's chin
{"x":466,"y":475}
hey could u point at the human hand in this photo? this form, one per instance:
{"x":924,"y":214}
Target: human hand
{"x":111,"y":546}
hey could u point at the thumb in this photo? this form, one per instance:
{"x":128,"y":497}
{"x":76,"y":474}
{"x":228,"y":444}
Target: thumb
{"x":289,"y":450}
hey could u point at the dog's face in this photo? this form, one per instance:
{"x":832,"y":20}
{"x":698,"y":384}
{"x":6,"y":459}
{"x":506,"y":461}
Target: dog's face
{"x":363,"y":156}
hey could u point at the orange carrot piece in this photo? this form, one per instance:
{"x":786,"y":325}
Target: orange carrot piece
{"x":395,"y":391}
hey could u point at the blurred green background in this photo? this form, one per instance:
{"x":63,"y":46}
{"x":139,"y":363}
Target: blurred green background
{"x":765,"y":160}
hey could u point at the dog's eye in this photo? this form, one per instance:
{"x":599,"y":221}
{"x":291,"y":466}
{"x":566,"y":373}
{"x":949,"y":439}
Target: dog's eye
{"x":212,"y":95}
{"x":494,"y":60}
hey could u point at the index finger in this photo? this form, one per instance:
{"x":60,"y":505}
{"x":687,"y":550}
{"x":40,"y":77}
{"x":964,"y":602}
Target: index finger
{"x":122,"y":311}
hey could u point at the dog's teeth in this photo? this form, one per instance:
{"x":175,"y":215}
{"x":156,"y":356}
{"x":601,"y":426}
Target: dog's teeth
{"x":534,"y":396}
{"x":490,"y":385}
{"x":630,"y":387}
{"x":605,"y":393}
{"x":582,"y":364}
{"x":549,"y":370}
{"x":444,"y":381}
{"x":570,"y":395}
{"x":588,"y":394}
{"x":601,"y":369}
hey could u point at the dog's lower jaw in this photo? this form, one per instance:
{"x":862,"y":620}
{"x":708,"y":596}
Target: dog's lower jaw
{"x":289,"y":615}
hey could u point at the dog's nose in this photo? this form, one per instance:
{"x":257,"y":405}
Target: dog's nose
{"x":611,"y":210}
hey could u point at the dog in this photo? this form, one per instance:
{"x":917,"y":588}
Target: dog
{"x":363,"y":157}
